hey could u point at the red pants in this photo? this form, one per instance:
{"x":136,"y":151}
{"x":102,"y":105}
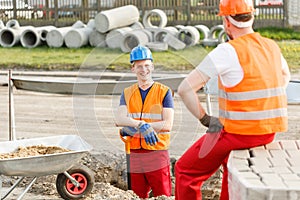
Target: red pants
{"x":150,"y":170}
{"x":191,"y":170}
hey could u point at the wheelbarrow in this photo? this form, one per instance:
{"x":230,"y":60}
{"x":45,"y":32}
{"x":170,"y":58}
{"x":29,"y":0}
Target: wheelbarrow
{"x":73,"y":181}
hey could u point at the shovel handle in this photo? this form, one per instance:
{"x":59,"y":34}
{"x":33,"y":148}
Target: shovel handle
{"x":126,"y":140}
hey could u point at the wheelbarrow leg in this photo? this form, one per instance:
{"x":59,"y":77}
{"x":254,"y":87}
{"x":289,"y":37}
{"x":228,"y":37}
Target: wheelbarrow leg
{"x":12,"y":187}
{"x":27,"y":188}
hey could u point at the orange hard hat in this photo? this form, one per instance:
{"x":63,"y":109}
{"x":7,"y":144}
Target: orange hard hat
{"x":235,"y":7}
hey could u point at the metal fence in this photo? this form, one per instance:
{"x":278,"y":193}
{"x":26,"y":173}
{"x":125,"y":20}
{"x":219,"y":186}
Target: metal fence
{"x":179,"y":12}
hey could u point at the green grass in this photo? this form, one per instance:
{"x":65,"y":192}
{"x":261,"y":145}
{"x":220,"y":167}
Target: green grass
{"x":45,"y":58}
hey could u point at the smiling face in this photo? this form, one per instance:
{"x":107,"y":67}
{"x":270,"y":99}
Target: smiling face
{"x":143,"y":70}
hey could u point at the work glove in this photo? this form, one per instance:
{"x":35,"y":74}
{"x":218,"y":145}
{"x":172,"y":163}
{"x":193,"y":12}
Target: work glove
{"x":212,"y":123}
{"x":148,"y":133}
{"x":128,"y":131}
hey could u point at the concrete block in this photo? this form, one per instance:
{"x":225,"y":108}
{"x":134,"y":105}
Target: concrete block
{"x":298,"y":144}
{"x":294,"y":162}
{"x":293,"y":153}
{"x":248,"y":175}
{"x":260,"y":161}
{"x":288,"y":144}
{"x":281,"y":170}
{"x":242,"y":154}
{"x":290,"y":177}
{"x":295,"y":170}
{"x":260,"y":153}
{"x":273,"y":146}
{"x":279,"y":162}
{"x":294,"y":185}
{"x":258,"y":147}
{"x":260,"y":169}
{"x":278,"y":153}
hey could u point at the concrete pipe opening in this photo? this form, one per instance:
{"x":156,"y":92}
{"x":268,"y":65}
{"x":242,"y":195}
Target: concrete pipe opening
{"x":215,"y":31}
{"x":148,"y":23}
{"x":189,"y":35}
{"x":12,"y":24}
{"x":30,"y":39}
{"x":134,"y":38}
{"x":7,"y":38}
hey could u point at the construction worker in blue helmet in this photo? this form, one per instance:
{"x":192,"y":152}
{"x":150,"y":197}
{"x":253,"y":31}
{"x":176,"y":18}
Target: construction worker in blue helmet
{"x":146,"y":113}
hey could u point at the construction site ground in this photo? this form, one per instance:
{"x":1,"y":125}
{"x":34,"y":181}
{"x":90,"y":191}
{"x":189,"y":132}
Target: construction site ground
{"x":92,"y":117}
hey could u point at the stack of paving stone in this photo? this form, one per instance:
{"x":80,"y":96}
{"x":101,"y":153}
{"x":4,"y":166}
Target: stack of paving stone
{"x":266,"y":172}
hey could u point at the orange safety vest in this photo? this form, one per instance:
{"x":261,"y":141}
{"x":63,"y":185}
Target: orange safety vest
{"x":258,"y":104}
{"x":149,"y":111}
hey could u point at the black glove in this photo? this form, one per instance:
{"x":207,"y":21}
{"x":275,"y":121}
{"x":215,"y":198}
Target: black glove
{"x":212,"y":123}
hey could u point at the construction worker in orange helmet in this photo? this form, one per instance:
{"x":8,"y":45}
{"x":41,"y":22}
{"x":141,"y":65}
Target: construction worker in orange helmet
{"x":252,"y":76}
{"x":146,"y":112}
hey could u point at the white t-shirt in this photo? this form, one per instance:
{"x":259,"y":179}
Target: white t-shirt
{"x":223,"y":61}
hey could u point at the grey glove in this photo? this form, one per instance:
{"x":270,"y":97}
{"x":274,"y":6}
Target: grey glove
{"x":128,"y":131}
{"x":212,"y":123}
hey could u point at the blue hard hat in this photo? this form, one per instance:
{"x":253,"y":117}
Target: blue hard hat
{"x":140,"y":53}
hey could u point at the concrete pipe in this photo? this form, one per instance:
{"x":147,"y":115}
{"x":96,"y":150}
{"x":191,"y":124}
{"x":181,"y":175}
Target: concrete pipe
{"x":116,"y":18}
{"x":44,"y":30}
{"x":115,"y":37}
{"x":155,"y":12}
{"x":97,"y":39}
{"x":137,"y":25}
{"x":189,"y":35}
{"x":2,"y":26}
{"x":78,"y":24}
{"x":91,"y":24}
{"x":157,"y":46}
{"x":55,"y":37}
{"x":174,"y":42}
{"x":30,"y":38}
{"x":204,"y":31}
{"x":215,"y":30}
{"x":76,"y":38}
{"x":222,"y":37}
{"x":179,"y":27}
{"x":134,"y":38}
{"x":10,"y":37}
{"x":12,"y":24}
{"x":160,"y":34}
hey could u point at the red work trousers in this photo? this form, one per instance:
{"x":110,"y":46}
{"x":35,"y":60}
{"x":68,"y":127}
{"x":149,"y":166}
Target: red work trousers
{"x":191,"y":170}
{"x":150,"y":170}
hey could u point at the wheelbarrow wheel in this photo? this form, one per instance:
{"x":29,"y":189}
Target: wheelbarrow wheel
{"x":83,"y":175}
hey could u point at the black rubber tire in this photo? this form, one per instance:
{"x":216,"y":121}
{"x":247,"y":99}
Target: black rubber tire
{"x":63,"y":183}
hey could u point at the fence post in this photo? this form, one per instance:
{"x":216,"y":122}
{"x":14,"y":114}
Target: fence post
{"x":14,"y":9}
{"x":56,"y":12}
{"x":286,"y":13}
{"x":188,"y":11}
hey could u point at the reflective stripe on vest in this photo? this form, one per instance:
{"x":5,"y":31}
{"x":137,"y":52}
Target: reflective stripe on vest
{"x":250,"y":95}
{"x":256,"y":105}
{"x":149,"y":111}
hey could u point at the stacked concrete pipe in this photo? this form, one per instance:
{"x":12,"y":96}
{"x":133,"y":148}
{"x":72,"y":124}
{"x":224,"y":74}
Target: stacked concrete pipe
{"x":2,"y":26}
{"x":115,"y":37}
{"x":189,"y":35}
{"x":10,"y":36}
{"x":33,"y":37}
{"x":56,"y":37}
{"x":116,"y":18}
{"x":155,"y":12}
{"x":134,"y":38}
{"x":97,"y":39}
{"x":79,"y":36}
